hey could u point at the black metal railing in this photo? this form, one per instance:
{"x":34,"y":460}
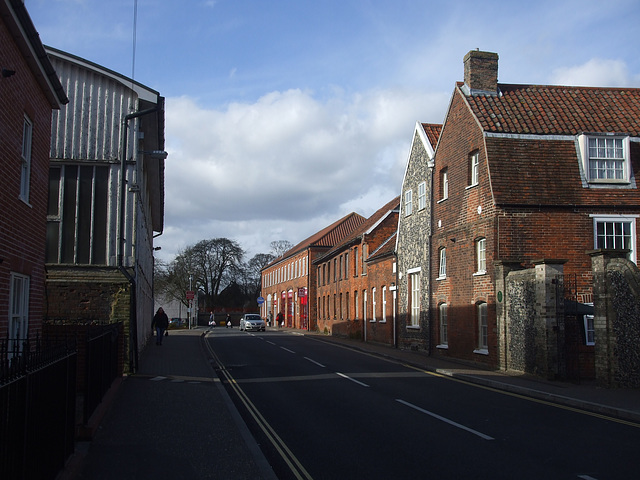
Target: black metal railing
{"x":37,"y":402}
{"x":101,"y":365}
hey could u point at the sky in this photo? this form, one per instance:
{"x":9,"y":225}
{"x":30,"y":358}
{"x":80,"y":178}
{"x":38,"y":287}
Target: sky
{"x":283,"y":116}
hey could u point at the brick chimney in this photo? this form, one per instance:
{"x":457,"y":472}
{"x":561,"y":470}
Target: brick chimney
{"x":481,"y":72}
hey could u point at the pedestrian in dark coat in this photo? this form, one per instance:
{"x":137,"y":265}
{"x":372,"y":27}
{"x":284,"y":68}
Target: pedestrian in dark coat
{"x":160,"y":323}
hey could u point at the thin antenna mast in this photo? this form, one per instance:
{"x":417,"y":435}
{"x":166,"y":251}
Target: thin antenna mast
{"x":135,"y":29}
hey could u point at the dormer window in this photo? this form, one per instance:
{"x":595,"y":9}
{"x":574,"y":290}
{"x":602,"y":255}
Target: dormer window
{"x":606,"y":158}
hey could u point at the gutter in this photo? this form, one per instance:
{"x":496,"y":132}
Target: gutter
{"x":133,"y":322}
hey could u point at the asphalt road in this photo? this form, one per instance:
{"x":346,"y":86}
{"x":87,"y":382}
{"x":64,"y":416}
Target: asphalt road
{"x":323,"y":411}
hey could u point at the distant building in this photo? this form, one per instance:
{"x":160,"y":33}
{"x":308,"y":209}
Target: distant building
{"x":355,"y":281}
{"x":289,"y":282}
{"x":29,"y":91}
{"x":106,"y":200}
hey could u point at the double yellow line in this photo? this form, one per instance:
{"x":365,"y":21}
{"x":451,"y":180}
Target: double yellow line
{"x":287,"y":455}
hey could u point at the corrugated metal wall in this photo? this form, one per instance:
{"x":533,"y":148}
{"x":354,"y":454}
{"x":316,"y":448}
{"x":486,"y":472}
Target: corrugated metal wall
{"x":89,"y":127}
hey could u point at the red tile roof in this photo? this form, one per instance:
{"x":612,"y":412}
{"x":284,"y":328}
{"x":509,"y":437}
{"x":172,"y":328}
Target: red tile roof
{"x":328,"y":236}
{"x":387,"y":248}
{"x":432,"y":130}
{"x":366,"y":225}
{"x":558,"y":110}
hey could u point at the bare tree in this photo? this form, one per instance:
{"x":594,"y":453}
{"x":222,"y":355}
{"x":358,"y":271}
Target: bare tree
{"x":254,"y":272}
{"x":172,"y":279}
{"x":280,"y":247}
{"x":213,"y":261}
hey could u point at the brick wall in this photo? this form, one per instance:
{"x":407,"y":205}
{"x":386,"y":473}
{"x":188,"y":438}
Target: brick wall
{"x":288,"y":275}
{"x":23,"y":226}
{"x":466,"y":215}
{"x":87,"y":295}
{"x":380,"y":275}
{"x":340,"y":294}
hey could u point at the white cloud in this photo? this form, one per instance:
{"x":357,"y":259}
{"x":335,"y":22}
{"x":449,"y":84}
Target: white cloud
{"x":285,"y":166}
{"x":597,"y":72}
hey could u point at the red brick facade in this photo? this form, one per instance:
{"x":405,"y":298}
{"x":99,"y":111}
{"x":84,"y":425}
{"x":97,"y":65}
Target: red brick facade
{"x":289,"y":282}
{"x":466,"y":215}
{"x":356,"y":281}
{"x":528,"y":197}
{"x":23,"y":95}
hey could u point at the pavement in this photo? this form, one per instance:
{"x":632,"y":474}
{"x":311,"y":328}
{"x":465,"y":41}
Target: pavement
{"x":173,"y":419}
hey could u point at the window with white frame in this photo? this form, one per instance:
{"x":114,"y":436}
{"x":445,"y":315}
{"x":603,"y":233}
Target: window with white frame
{"x":347,"y":305}
{"x":474,"y":168}
{"x":422,"y":195}
{"x":483,"y":328}
{"x":481,"y":255}
{"x":18,"y":310}
{"x":25,"y":157}
{"x":615,"y":232}
{"x":364,"y":305}
{"x":589,"y":330}
{"x":607,"y":159}
{"x":346,"y":265}
{"x":355,"y":261}
{"x":408,"y":203}
{"x":373,"y":304}
{"x":384,"y":304}
{"x":356,"y":305}
{"x":442,"y":267}
{"x":365,"y":253}
{"x":444,"y":183}
{"x":414,"y":285}
{"x":444,"y":334}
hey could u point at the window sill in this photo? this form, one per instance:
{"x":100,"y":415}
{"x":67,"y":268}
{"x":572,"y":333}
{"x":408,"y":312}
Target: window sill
{"x":442,"y":200}
{"x":481,"y":351}
{"x":479,"y":274}
{"x":441,"y":278}
{"x":413,"y":327}
{"x":443,"y":346}
{"x":471,"y":186}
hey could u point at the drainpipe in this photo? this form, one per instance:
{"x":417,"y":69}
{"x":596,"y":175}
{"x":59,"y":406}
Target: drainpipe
{"x":133,"y":321}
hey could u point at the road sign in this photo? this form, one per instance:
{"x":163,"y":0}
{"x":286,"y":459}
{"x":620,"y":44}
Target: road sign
{"x":191,"y":295}
{"x":260,"y":300}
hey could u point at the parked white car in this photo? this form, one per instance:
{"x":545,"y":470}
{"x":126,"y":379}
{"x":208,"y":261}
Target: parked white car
{"x":252,"y":321}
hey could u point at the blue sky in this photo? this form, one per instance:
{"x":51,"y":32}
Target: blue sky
{"x":283,"y":116}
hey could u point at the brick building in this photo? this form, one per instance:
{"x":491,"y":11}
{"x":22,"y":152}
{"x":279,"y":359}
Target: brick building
{"x":106,"y":200}
{"x":289,"y":284}
{"x":355,"y":280}
{"x":523,"y":176}
{"x":29,"y":91}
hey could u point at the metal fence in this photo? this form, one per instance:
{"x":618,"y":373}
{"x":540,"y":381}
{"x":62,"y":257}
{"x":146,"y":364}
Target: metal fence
{"x":102,"y":359}
{"x":37,"y":406}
